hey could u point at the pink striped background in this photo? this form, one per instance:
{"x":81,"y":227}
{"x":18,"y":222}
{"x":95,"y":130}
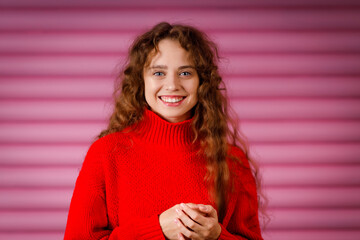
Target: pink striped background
{"x":292,"y":69}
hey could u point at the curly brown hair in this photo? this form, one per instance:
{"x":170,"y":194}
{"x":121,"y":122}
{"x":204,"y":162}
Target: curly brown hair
{"x":213,"y":124}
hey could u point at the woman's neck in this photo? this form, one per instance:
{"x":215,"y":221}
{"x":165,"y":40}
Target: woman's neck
{"x":155,"y":130}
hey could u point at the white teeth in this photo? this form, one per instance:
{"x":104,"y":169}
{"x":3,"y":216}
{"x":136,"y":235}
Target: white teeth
{"x":172,"y":99}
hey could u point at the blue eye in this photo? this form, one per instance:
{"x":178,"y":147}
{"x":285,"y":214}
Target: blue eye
{"x":185,"y":74}
{"x":158,"y":74}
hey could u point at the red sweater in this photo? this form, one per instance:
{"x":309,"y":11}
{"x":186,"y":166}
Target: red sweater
{"x":129,"y":178}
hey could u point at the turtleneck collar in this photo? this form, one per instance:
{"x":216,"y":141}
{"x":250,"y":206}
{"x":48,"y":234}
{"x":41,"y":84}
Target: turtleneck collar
{"x":155,"y":130}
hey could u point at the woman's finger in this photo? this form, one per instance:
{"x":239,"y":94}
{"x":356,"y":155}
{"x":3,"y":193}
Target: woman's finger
{"x":206,"y":209}
{"x":196,"y":208}
{"x":207,"y":227}
{"x":180,"y":236}
{"x":184,"y":231}
{"x":187,"y":221}
{"x":210,"y":210}
{"x":193,"y":205}
{"x":194,"y":215}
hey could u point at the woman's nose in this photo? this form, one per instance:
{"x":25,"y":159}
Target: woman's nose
{"x":172,"y":83}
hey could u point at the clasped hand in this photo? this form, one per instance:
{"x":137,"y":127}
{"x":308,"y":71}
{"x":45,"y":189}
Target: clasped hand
{"x":190,"y":221}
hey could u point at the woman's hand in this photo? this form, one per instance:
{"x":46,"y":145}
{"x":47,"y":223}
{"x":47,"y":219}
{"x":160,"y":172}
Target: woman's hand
{"x":168,"y":224}
{"x":197,"y":221}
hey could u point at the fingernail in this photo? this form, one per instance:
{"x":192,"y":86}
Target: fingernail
{"x":178,"y":211}
{"x":202,"y":207}
{"x":182,"y":205}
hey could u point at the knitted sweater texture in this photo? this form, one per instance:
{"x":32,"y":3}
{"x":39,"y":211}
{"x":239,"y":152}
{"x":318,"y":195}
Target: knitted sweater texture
{"x":129,"y":178}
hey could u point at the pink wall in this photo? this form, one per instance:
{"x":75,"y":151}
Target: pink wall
{"x":292,"y":69}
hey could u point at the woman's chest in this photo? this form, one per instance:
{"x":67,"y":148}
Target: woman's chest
{"x":150,"y":181}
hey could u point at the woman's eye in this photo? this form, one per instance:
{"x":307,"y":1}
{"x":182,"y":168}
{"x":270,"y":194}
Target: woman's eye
{"x":159,"y":74}
{"x":185,"y":74}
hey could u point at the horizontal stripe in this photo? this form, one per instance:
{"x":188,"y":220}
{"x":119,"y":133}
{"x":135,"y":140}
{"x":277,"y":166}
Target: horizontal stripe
{"x":80,"y":87}
{"x":236,"y":64}
{"x":292,"y":64}
{"x":228,"y":42}
{"x":284,"y":131}
{"x":279,"y":198}
{"x":311,"y":197}
{"x":31,"y":235}
{"x":189,"y":3}
{"x":246,"y":109}
{"x":326,"y":175}
{"x":306,"y":153}
{"x":35,"y":199}
{"x":273,"y":176}
{"x":316,"y":219}
{"x":303,"y":19}
{"x":39,"y":177}
{"x":286,"y":220}
{"x":50,"y":133}
{"x":267,"y":153}
{"x":329,"y":234}
{"x":292,"y":86}
{"x":57,"y":87}
{"x":297,"y":109}
{"x":33,"y":220}
{"x":274,"y":131}
{"x":17,"y":155}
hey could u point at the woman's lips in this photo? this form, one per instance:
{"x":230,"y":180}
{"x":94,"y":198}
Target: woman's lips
{"x":172,"y":100}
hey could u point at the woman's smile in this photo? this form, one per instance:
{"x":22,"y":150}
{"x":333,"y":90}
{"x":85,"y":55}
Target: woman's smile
{"x":171,"y":82}
{"x":172,"y":100}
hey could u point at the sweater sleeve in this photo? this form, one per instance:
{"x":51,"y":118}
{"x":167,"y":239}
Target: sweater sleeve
{"x":88,"y":213}
{"x":244,"y":222}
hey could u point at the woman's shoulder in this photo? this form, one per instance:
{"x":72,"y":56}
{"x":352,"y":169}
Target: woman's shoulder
{"x":239,"y":165}
{"x":109,"y":142}
{"x":238,"y":157}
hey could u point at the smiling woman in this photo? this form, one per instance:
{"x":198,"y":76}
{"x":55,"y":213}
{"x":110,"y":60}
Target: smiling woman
{"x":171,"y":82}
{"x":171,"y":164}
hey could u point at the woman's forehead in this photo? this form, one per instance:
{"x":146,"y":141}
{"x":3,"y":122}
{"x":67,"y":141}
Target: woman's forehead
{"x":169,"y":52}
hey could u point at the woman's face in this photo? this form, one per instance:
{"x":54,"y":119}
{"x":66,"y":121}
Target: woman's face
{"x":171,"y":82}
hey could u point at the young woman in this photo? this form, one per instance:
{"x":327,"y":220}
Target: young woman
{"x":168,"y":166}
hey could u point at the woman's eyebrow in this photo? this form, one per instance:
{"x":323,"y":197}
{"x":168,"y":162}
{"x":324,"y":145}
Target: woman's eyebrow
{"x":158,"y":66}
{"x":165,"y":67}
{"x":186,"y":66}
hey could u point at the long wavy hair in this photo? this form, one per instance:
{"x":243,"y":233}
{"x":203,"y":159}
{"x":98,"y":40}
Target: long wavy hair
{"x":213,"y":124}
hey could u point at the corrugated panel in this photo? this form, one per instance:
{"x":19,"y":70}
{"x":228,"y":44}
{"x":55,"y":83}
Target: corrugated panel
{"x":112,"y":19}
{"x":321,"y":197}
{"x":270,"y":109}
{"x":184,"y":3}
{"x":263,"y":131}
{"x":320,"y":219}
{"x":291,"y":67}
{"x":229,"y":42}
{"x":236,"y":64}
{"x":90,"y":87}
{"x":275,"y":176}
